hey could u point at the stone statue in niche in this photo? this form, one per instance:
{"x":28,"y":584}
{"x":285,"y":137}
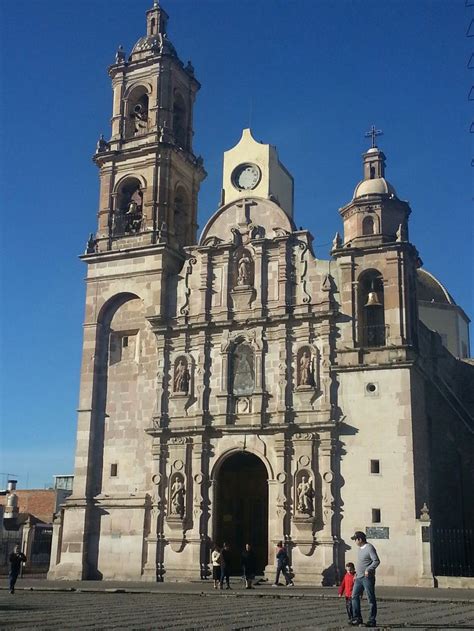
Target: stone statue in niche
{"x":140,"y":118}
{"x":178,"y":492}
{"x":305,"y":369}
{"x":305,"y":496}
{"x":181,"y":376}
{"x":244,"y":270}
{"x":243,"y":371}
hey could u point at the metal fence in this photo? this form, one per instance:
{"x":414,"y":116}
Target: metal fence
{"x":453,"y":552}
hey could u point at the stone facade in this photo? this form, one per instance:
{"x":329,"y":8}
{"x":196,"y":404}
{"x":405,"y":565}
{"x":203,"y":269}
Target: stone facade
{"x":238,"y":388}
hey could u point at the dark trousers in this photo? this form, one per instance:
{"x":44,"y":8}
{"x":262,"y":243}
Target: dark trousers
{"x":367,"y":584}
{"x":225,"y":575}
{"x":12,"y":576}
{"x":349,"y":607}
{"x":282,"y":569}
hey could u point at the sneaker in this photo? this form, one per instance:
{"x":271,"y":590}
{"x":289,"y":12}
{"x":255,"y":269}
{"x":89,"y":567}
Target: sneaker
{"x":276,"y":585}
{"x":371,"y":623}
{"x":356,"y":622}
{"x":228,"y":587}
{"x":291,"y":584}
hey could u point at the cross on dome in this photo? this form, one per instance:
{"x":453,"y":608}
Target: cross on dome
{"x":373,"y":133}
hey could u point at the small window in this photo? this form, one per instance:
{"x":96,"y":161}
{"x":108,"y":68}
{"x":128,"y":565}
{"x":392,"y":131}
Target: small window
{"x":375,"y":466}
{"x":376,"y":516}
{"x":113,"y":470}
{"x":125,"y":341}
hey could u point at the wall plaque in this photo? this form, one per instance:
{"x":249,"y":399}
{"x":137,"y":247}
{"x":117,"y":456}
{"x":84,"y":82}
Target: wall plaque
{"x":377,"y":532}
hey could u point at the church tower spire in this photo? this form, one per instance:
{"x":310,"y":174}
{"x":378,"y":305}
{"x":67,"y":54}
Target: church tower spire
{"x":149,"y":175}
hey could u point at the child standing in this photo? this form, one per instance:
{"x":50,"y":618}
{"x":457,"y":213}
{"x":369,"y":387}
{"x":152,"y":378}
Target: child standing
{"x":345,"y":588}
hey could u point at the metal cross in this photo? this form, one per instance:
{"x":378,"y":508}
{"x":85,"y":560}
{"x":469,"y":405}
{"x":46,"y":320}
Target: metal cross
{"x":373,"y":133}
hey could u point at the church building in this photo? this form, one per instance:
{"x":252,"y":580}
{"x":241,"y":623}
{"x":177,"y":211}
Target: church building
{"x":236,"y":388}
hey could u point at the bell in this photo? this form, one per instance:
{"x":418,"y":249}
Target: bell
{"x":373,"y":300}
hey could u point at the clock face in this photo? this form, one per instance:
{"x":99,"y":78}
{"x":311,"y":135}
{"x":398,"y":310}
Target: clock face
{"x":246,"y":176}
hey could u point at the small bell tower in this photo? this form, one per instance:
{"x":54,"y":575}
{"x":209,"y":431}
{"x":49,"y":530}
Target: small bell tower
{"x":149,"y":175}
{"x":378,"y":262}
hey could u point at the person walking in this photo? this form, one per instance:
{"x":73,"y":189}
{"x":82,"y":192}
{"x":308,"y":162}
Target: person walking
{"x":225,"y":567}
{"x":216,"y":565}
{"x":367,"y":562}
{"x":16,"y":558}
{"x":345,"y":588}
{"x":282,"y":566}
{"x":249,"y":564}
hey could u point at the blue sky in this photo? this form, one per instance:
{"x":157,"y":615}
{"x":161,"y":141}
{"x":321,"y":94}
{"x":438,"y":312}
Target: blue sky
{"x":310,"y":77}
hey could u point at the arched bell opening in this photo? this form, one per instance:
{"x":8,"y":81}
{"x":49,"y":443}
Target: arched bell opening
{"x":128,"y":214}
{"x":241,"y":508}
{"x":372,"y":330}
{"x":137,"y":105}
{"x":368,"y":226}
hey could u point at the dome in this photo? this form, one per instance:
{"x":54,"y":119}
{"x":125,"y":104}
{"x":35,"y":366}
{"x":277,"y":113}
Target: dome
{"x":376,"y":186}
{"x":431,"y":290}
{"x":154,"y":44}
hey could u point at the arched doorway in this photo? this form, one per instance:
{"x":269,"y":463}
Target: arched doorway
{"x":242,"y":508}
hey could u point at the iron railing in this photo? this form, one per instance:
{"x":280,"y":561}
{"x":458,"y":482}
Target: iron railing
{"x":374,"y":335}
{"x":453,"y":552}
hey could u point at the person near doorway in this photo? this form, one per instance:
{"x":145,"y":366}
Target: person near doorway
{"x":367,"y":562}
{"x":16,"y":558}
{"x":225,"y":566}
{"x":216,"y":565}
{"x":283,"y":562}
{"x":249,"y":564}
{"x":345,"y":588}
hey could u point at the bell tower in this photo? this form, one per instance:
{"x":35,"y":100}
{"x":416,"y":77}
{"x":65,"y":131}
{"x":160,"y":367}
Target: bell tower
{"x":378,"y":264}
{"x":149,"y":175}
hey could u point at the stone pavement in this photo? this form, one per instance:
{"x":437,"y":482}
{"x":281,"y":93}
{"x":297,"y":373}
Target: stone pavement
{"x":39,"y":604}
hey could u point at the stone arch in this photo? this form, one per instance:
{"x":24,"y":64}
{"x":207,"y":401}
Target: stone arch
{"x":231,"y":451}
{"x":128,"y":205}
{"x":241,"y":506}
{"x":371,"y":308}
{"x":368,"y":226}
{"x":136,"y":116}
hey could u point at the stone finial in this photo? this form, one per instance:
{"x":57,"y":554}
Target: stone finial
{"x":424,"y":513}
{"x":102,"y":145}
{"x":337,"y":241}
{"x":120,"y":55}
{"x":401,"y":233}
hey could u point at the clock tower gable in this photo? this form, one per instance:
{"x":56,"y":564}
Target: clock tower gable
{"x":252,"y":168}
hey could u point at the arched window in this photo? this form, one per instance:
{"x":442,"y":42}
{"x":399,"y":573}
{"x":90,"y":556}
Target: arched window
{"x":152,"y":26}
{"x":179,"y":121}
{"x":180,"y":216}
{"x":368,"y":226}
{"x":136,"y":122}
{"x":243,"y":370}
{"x":128,"y":214}
{"x":371,"y":309}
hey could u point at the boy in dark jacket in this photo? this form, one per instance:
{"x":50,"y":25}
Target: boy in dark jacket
{"x":249,"y":563}
{"x":282,"y":565}
{"x":16,"y":558}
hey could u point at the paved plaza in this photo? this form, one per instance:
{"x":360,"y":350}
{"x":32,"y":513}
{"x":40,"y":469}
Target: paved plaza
{"x":41,"y":605}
